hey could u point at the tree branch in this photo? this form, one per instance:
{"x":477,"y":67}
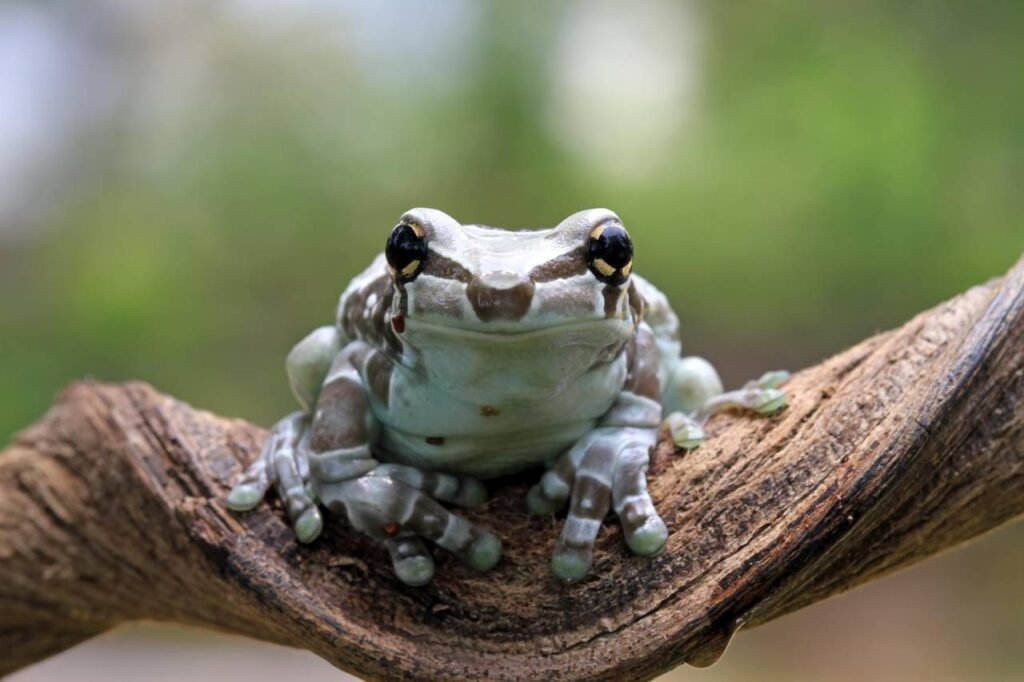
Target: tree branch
{"x":111,"y":509}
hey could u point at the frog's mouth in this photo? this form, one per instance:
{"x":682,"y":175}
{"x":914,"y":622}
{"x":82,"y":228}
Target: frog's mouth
{"x":599,"y":330}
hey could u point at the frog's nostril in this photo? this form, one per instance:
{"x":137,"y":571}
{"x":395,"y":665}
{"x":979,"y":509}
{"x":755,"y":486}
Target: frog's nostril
{"x":500,"y":296}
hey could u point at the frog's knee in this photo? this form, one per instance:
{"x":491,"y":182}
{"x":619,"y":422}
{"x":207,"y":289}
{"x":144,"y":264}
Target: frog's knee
{"x":691,"y":382}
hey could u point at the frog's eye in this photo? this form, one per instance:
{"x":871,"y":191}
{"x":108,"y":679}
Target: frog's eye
{"x":406,"y":251}
{"x":610,"y":253}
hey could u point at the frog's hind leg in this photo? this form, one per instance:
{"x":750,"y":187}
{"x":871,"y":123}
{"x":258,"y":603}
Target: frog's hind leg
{"x":464,"y":491}
{"x":387,"y":509}
{"x":694,"y":393}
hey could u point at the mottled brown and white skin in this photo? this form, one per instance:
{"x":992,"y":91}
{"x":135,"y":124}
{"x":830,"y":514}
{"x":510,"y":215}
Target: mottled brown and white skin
{"x":466,"y":352}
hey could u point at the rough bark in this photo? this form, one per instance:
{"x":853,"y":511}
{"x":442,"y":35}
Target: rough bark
{"x":111,"y":509}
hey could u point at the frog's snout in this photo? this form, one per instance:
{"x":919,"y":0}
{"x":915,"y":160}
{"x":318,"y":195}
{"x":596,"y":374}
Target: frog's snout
{"x":500,"y":295}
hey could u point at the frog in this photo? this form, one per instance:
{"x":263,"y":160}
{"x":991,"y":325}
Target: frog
{"x":466,"y":353}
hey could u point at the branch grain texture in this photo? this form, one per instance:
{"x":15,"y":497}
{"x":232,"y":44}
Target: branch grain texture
{"x":111,"y":509}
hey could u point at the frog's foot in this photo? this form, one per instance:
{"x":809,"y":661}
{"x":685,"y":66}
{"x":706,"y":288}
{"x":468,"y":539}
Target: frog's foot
{"x":384,"y":506}
{"x":687,"y":433}
{"x":464,"y":491}
{"x":282,"y":463}
{"x":608,"y":465}
{"x":762,"y":396}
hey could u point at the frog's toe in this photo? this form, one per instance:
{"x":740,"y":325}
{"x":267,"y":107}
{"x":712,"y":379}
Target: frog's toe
{"x":483,"y":553}
{"x":772,"y":379}
{"x":552,"y":491}
{"x":686,"y":432}
{"x":472,"y":493}
{"x":244,"y":497}
{"x":539,"y":504}
{"x":648,"y":538}
{"x":769,"y":400}
{"x":645,"y":532}
{"x":251,"y":488}
{"x":308,"y":525}
{"x":571,"y":563}
{"x":412,"y":562}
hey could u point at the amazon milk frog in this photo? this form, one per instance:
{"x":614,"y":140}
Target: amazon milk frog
{"x":466,"y":352}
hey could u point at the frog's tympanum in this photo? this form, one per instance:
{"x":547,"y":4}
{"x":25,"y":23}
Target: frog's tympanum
{"x":466,"y":352}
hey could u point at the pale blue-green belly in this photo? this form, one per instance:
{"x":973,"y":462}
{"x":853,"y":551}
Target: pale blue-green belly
{"x":495,"y":434}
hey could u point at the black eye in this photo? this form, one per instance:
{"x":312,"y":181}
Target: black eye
{"x":610,"y":255}
{"x":406,"y":251}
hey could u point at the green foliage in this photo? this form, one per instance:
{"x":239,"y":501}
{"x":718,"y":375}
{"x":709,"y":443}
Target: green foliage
{"x":845,"y":167}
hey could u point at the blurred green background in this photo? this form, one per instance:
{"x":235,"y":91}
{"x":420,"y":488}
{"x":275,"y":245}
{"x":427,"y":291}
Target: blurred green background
{"x":186,"y":187}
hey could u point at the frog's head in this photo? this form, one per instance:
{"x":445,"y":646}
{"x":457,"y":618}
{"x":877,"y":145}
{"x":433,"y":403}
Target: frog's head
{"x":559,"y":291}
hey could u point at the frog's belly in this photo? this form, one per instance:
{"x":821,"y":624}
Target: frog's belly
{"x":428,"y":428}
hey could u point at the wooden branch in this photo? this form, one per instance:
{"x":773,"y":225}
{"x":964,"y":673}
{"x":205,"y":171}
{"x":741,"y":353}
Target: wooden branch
{"x":111,"y":509}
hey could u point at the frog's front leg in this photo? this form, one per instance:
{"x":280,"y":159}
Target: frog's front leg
{"x":326,"y":456}
{"x":694,"y":394}
{"x":607,"y":468}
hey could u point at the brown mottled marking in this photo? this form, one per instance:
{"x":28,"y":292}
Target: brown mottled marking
{"x":636,"y":302}
{"x":353,"y":319}
{"x":435,"y":440}
{"x":378,"y":377}
{"x":570,"y":264}
{"x":591,"y":499}
{"x":340,"y":420}
{"x":612,"y":296}
{"x":445,"y":268}
{"x":643,"y":359}
{"x":489,"y":411}
{"x":429,"y":518}
{"x":491,"y":303}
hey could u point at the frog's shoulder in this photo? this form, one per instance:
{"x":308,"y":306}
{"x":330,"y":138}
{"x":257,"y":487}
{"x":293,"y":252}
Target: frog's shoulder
{"x":365,"y":305}
{"x":658,"y":314}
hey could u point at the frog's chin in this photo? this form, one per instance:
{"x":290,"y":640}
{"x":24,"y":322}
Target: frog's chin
{"x":501,"y":368}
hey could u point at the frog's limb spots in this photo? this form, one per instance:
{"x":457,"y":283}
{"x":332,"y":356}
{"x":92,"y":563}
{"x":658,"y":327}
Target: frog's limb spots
{"x":464,"y":491}
{"x":644,"y":530}
{"x":434,"y":440}
{"x":686,"y":432}
{"x":489,"y":411}
{"x":551,"y":493}
{"x":411,"y":560}
{"x":591,"y":499}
